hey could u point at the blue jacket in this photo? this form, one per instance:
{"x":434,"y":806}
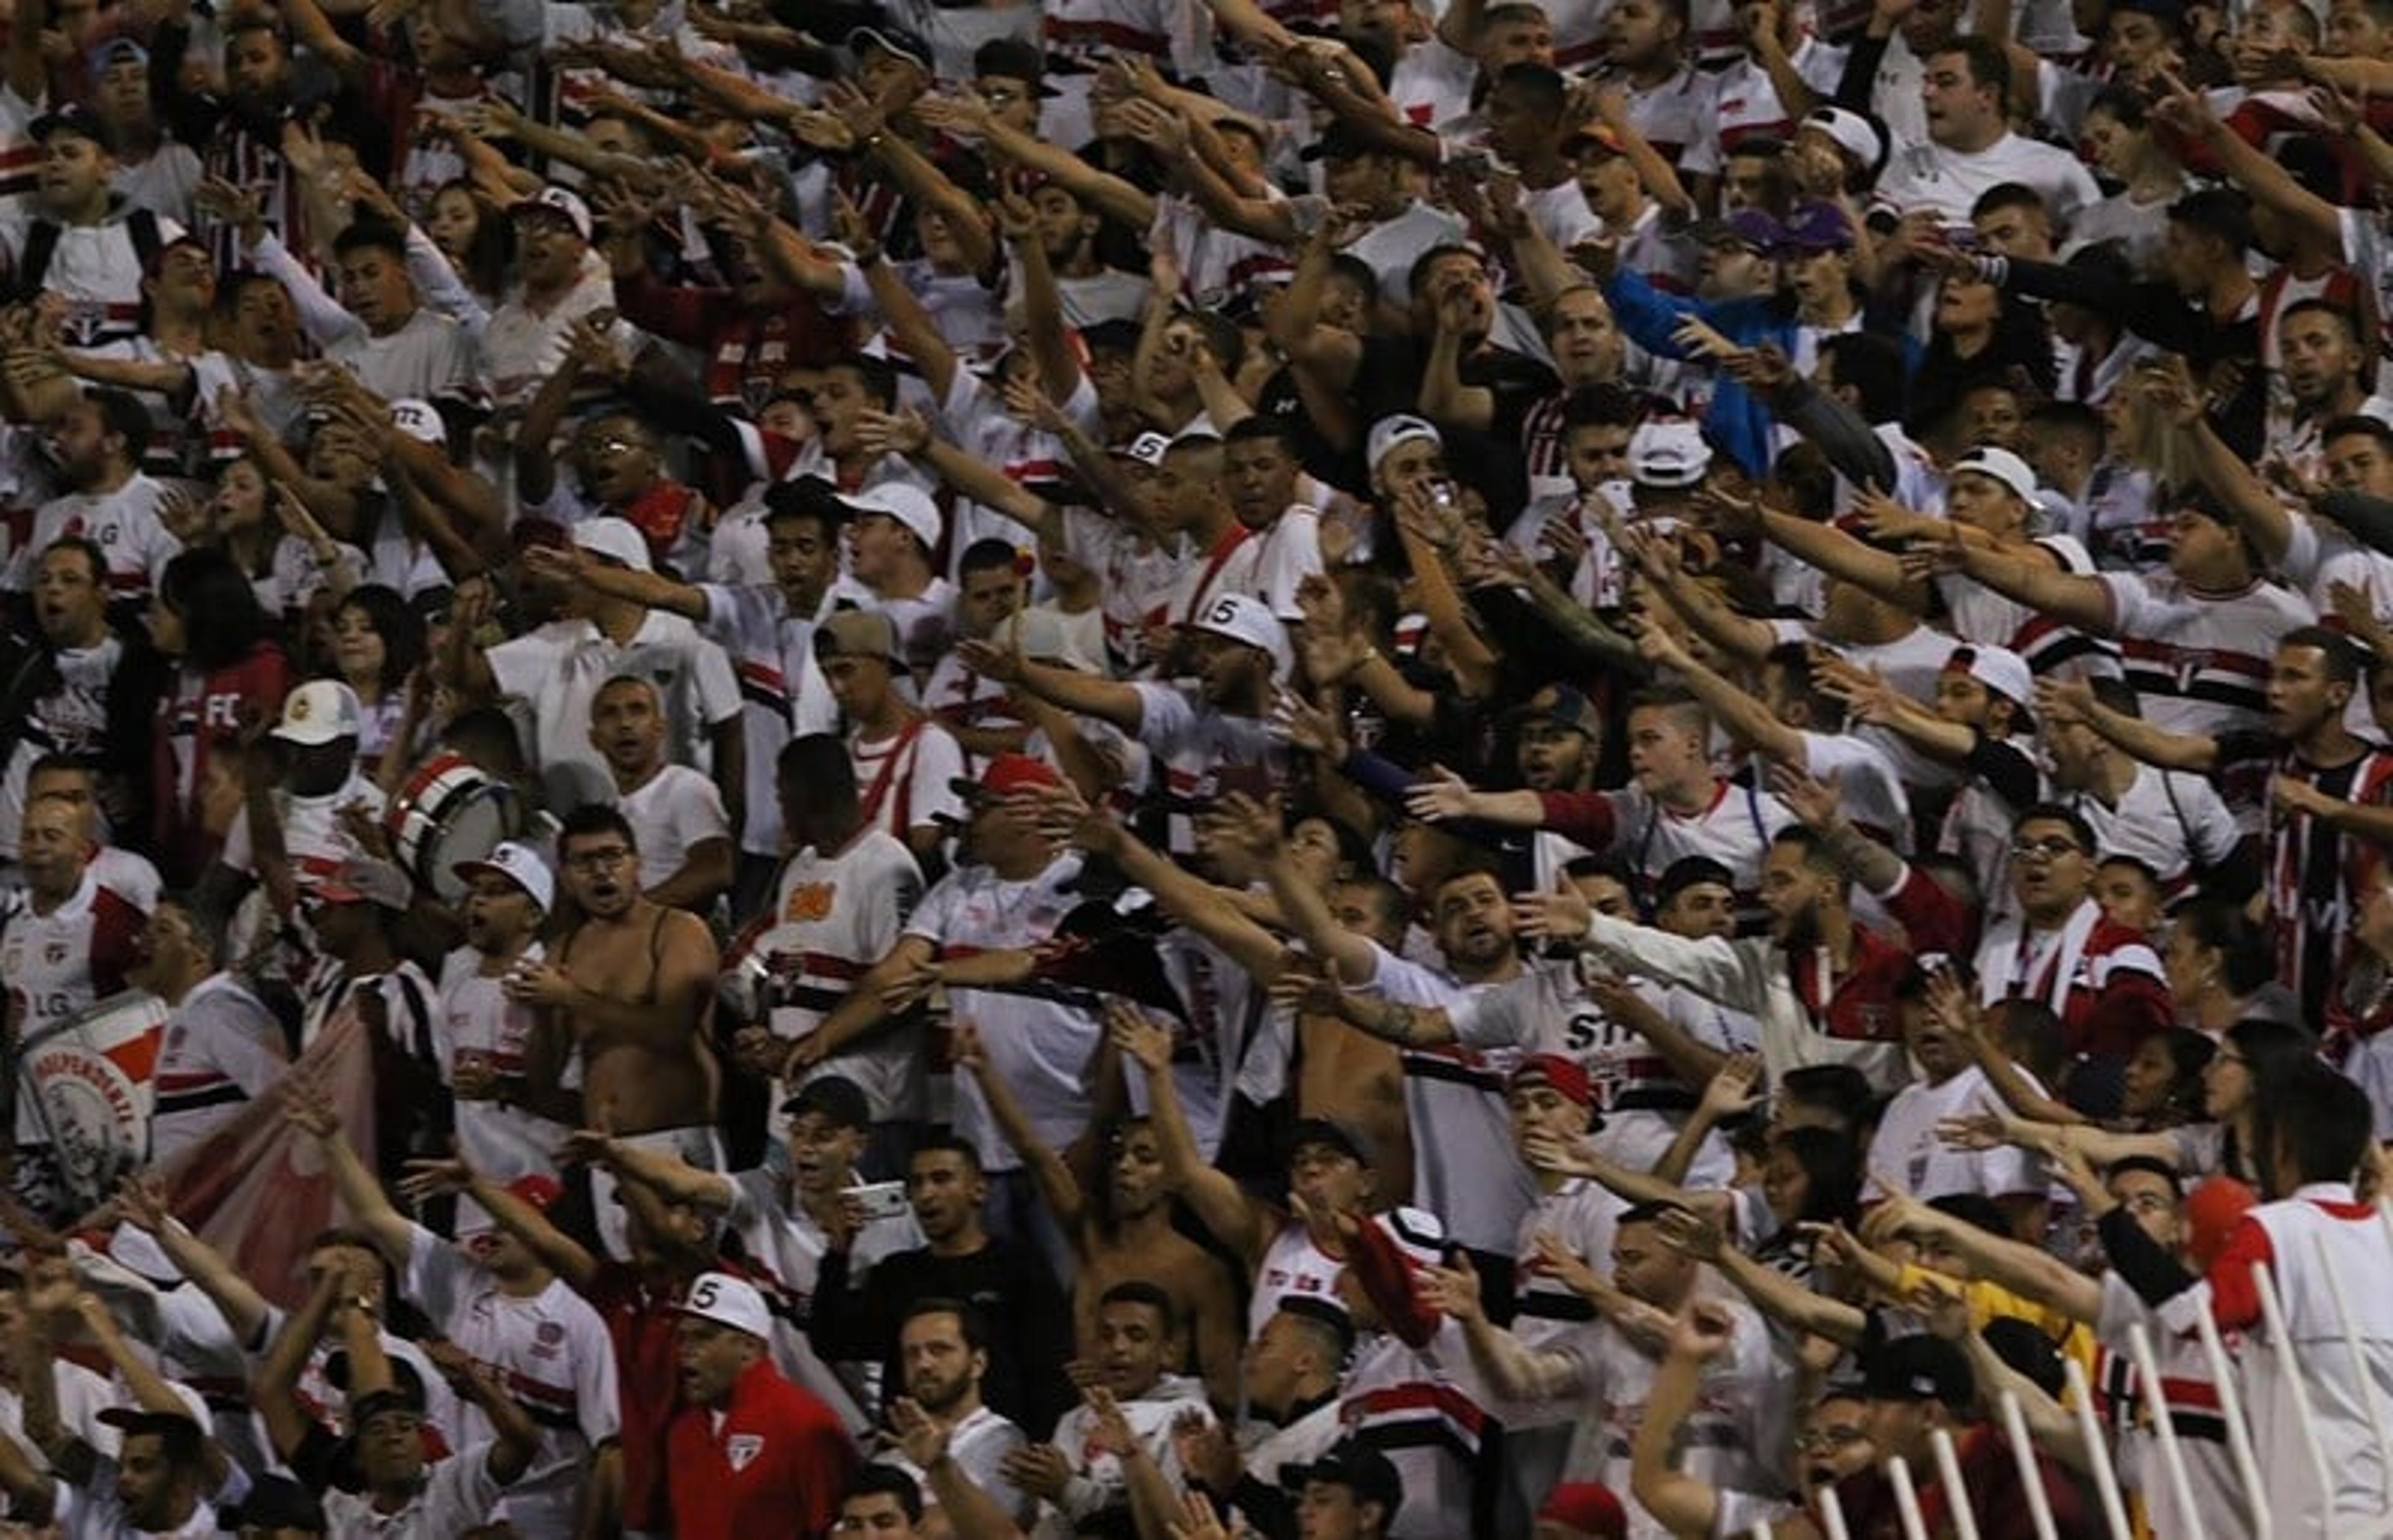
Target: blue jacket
{"x":1735,"y":421}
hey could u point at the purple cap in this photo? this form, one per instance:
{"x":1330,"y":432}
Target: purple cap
{"x":1817,"y":227}
{"x":1752,"y":229}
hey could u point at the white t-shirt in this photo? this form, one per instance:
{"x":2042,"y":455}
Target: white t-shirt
{"x":1907,"y":1148}
{"x":552,"y":1351}
{"x":1925,"y":175}
{"x":677,"y":810}
{"x":1038,"y":1043}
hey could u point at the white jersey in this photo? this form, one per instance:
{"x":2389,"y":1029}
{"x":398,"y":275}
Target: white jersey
{"x":1948,"y":183}
{"x":71,"y":719}
{"x":124,"y":524}
{"x":2199,"y":662}
{"x":781,"y":685}
{"x":676,"y":811}
{"x":1430,"y":1413}
{"x":315,"y":842}
{"x":2190,"y":1393}
{"x":1734,"y":828}
{"x":2174,"y":823}
{"x":96,"y":269}
{"x":222,"y":1047}
{"x":958,"y":698}
{"x":1906,"y":1147}
{"x":2344,"y":1373}
{"x":1293,"y":1267}
{"x":1038,"y":1039}
{"x":475,"y":1028}
{"x":1193,"y":741}
{"x":551,"y":1351}
{"x":1470,"y":1175}
{"x":1722,"y":1434}
{"x":1139,"y":577}
{"x":905,"y":779}
{"x":834,"y":917}
{"x":558,"y":670}
{"x":1582,"y":1215}
{"x":1098,"y":1482}
{"x":976,"y":420}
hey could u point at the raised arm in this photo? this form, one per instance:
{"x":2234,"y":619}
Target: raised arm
{"x":1243,"y":1224}
{"x":368,"y":1208}
{"x":1746,"y":719}
{"x":1053,"y":1174}
{"x":276,"y":1388}
{"x":1082,"y":695}
{"x":557,"y":1250}
{"x":142,"y":1200}
{"x":1255,"y":830}
{"x":2079,"y":601}
{"x":2067,"y":700}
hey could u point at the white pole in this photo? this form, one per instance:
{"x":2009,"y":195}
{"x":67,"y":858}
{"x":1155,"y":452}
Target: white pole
{"x":2289,"y":1363}
{"x":1832,"y":1515}
{"x":1907,"y":1500}
{"x":2223,"y":1374}
{"x":2039,"y":1503}
{"x":2360,"y":1368}
{"x":2147,"y":1370}
{"x":1948,"y":1473}
{"x":2097,"y":1452}
{"x":1763,"y":1532}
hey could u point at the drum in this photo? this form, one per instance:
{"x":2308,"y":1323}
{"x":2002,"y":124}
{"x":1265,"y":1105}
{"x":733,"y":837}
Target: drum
{"x":449,"y":812}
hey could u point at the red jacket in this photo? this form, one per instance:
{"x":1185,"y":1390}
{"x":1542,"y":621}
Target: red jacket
{"x":776,"y":1467}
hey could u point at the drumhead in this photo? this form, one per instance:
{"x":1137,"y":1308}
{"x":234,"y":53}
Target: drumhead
{"x":469,"y":829}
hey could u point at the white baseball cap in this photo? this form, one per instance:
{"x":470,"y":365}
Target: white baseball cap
{"x":618,"y":538}
{"x":1249,"y":621}
{"x":1669,"y":453}
{"x":420,"y":420}
{"x":1147,"y":449}
{"x":2002,"y":466}
{"x":320,"y":712}
{"x":519,"y":865}
{"x":910,"y":505}
{"x":557,"y":200}
{"x":1855,"y":135}
{"x":1418,"y":1233}
{"x":1401,"y":428}
{"x":2000,"y":669}
{"x":720,"y":1297}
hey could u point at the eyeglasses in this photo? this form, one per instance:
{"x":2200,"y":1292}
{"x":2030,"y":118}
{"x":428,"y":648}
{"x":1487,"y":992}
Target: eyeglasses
{"x":2046,"y":850}
{"x":599,"y":860}
{"x":1826,"y":1441}
{"x":2147,"y":1203}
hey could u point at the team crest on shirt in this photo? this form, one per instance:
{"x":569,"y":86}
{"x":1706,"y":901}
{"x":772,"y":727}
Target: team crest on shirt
{"x":53,"y":953}
{"x":741,"y":1450}
{"x":811,"y":901}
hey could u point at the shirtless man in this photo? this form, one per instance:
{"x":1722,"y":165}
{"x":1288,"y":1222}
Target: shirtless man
{"x":634,"y":984}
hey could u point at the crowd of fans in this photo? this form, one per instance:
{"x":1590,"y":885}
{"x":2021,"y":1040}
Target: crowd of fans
{"x":1323,"y":769}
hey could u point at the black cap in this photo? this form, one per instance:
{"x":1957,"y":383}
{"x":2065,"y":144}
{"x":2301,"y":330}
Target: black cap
{"x":1918,"y":1368}
{"x":73,"y":118}
{"x":835,"y":1097}
{"x":394,"y":1398}
{"x":892,"y":39}
{"x":1342,"y":141}
{"x":1362,"y":1471}
{"x":1012,"y":59}
{"x":1338,"y":1136}
{"x":166,"y":1424}
{"x":275,"y":1502}
{"x":1689,"y":871}
{"x":1111,"y":336}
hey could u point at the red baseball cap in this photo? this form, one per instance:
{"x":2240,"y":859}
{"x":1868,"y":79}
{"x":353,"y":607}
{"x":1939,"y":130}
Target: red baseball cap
{"x":1565,"y":1076}
{"x":1008,"y":773}
{"x":1588,"y":1507}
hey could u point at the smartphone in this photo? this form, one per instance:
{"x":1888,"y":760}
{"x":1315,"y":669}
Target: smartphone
{"x":880,"y":1200}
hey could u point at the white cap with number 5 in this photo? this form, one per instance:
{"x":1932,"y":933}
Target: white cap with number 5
{"x":1249,"y":621}
{"x":720,"y":1297}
